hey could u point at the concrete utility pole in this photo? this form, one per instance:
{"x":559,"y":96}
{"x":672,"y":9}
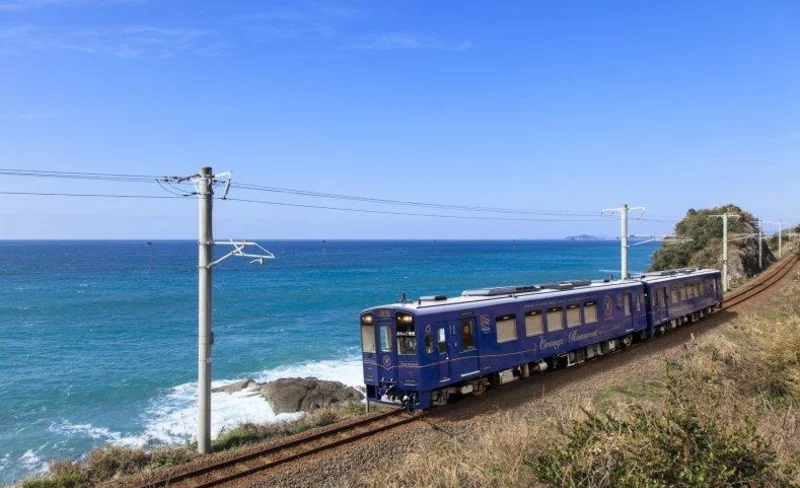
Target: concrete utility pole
{"x":780,"y":231}
{"x":623,"y":214}
{"x":205,"y":253}
{"x":760,"y":237}
{"x":204,"y":181}
{"x":724,"y":218}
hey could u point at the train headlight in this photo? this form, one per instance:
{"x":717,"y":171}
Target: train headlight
{"x":404,"y":319}
{"x":367,"y":319}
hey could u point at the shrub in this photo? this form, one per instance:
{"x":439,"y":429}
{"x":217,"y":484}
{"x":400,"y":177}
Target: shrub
{"x":683,"y":444}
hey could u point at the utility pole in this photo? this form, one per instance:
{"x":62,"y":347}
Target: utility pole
{"x":623,"y":213}
{"x":724,"y":218}
{"x":760,"y":238}
{"x":780,"y":231}
{"x":204,"y":182}
{"x":205,"y":252}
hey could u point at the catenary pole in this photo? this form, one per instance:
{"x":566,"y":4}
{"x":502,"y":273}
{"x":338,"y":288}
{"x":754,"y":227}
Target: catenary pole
{"x":205,"y":338}
{"x":724,"y":218}
{"x":623,"y":234}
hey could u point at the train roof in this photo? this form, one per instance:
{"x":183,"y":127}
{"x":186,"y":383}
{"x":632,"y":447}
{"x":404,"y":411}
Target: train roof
{"x":659,"y":276}
{"x":507,"y":294}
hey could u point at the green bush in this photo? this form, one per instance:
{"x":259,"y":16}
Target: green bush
{"x":703,"y":233}
{"x":681,"y":445}
{"x":74,"y":480}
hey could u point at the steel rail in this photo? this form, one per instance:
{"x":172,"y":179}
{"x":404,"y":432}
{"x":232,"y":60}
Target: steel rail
{"x":323,"y":440}
{"x":774,"y":276}
{"x":277,"y":454}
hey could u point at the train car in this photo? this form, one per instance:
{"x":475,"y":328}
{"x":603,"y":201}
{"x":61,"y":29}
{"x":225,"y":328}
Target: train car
{"x":680,"y":296}
{"x":421,"y":353}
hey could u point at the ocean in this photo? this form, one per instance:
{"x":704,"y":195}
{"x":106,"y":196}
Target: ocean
{"x":98,"y":347}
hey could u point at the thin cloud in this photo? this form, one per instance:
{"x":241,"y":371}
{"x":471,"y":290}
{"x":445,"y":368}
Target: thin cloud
{"x":387,"y":42}
{"x":21,"y":5}
{"x":126,"y":41}
{"x":308,"y":19}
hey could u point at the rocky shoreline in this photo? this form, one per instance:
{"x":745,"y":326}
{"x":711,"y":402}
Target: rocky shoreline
{"x":289,"y":395}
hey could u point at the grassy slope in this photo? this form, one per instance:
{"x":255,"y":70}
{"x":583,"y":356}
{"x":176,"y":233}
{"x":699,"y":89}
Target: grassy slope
{"x":724,"y":414}
{"x":105,"y":467}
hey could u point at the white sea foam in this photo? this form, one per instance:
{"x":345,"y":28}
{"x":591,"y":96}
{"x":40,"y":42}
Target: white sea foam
{"x":32,"y":462}
{"x":172,"y":417}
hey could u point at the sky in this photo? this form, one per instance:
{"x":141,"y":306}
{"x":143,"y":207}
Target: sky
{"x":559,"y":106}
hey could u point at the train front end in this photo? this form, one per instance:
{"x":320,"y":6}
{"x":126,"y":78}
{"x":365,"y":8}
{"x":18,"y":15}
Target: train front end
{"x":389,"y":351}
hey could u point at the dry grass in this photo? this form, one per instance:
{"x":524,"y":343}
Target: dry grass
{"x":727,"y":413}
{"x":107,"y":466}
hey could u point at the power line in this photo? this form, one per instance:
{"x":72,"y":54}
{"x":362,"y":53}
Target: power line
{"x":337,"y":196}
{"x":412,"y":214}
{"x":87,"y":195}
{"x":75,"y":175}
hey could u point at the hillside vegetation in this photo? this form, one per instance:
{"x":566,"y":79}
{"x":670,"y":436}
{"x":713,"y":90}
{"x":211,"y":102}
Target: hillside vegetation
{"x":702,"y":244}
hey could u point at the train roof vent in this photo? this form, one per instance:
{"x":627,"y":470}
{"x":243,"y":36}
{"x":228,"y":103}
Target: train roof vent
{"x":433,"y":298}
{"x":502,"y":290}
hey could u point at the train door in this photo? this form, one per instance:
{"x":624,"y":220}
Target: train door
{"x":387,"y":355}
{"x":464,"y":346}
{"x":444,"y":351}
{"x":626,"y":308}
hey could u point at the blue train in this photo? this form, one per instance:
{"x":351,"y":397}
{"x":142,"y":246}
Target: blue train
{"x":422,"y":353}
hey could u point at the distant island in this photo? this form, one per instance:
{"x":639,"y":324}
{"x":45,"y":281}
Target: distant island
{"x":584,"y":237}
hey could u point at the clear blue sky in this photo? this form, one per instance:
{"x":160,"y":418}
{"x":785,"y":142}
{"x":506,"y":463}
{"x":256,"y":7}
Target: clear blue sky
{"x":549,"y":105}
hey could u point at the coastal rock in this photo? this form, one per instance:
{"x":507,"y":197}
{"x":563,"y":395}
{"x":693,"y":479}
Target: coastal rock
{"x":234,"y":387}
{"x":287,"y":395}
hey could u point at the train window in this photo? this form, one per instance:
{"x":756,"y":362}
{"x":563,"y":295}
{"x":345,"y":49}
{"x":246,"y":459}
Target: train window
{"x":534,"y":323}
{"x":637,"y":304}
{"x":467,"y":335}
{"x":442,"y":341}
{"x":386,"y":338}
{"x":702,"y":288}
{"x":590,"y":312}
{"x":626,"y":303}
{"x":664,"y":297}
{"x":406,"y":334}
{"x":675,"y":297}
{"x":506,"y":328}
{"x":407,"y":344}
{"x":714,"y":286}
{"x":573,"y":315}
{"x":428,"y":343}
{"x":684,"y":293}
{"x":368,"y":338}
{"x":555,"y":319}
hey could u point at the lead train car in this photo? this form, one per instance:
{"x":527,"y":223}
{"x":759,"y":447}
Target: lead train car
{"x":420,"y":353}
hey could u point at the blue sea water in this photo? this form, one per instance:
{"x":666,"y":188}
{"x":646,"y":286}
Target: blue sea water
{"x":97,"y":347}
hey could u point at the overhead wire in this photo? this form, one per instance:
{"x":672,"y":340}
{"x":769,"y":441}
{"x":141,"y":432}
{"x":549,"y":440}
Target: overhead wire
{"x":87,"y":195}
{"x":413,"y":214}
{"x":534,"y":215}
{"x":337,"y":196}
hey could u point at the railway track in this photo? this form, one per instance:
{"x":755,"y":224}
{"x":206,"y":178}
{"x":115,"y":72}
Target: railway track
{"x":766,"y":282}
{"x":269,"y":457}
{"x":244,"y":465}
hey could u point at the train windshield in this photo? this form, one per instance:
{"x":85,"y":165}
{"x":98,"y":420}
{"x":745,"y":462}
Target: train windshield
{"x":406,"y":335}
